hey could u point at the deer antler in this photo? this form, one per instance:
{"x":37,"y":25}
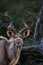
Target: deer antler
{"x":25,"y":24}
{"x":11,"y":25}
{"x":25,"y":28}
{"x":6,"y":15}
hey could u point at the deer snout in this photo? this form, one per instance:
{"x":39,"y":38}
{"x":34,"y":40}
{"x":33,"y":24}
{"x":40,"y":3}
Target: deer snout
{"x":19,"y":42}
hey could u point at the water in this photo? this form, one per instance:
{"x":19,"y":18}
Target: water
{"x":37,"y":27}
{"x":41,"y":46}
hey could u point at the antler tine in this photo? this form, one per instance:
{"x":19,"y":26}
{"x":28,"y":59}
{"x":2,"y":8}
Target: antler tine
{"x":11,"y":26}
{"x":6,"y":14}
{"x":25,"y":24}
{"x":26,"y":27}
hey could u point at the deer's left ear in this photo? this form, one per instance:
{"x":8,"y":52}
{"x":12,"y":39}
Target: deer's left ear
{"x":10,"y":33}
{"x":26,"y":33}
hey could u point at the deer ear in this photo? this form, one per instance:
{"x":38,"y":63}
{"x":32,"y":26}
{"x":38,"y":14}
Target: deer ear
{"x":10,"y":33}
{"x":26,"y":33}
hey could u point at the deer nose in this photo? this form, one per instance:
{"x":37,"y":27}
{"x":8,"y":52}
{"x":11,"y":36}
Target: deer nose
{"x":18,"y":40}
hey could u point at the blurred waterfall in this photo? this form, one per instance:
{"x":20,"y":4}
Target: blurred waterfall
{"x":37,"y":27}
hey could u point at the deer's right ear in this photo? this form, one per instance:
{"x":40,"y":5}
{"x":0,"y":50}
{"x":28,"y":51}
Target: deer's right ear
{"x":26,"y":33}
{"x":10,"y":33}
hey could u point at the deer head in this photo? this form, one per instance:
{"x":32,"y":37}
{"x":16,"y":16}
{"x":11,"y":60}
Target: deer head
{"x":18,"y":37}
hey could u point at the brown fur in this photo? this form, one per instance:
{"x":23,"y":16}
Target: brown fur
{"x":15,"y":61}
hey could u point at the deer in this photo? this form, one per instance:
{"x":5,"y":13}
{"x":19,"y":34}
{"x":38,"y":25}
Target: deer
{"x":10,"y":49}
